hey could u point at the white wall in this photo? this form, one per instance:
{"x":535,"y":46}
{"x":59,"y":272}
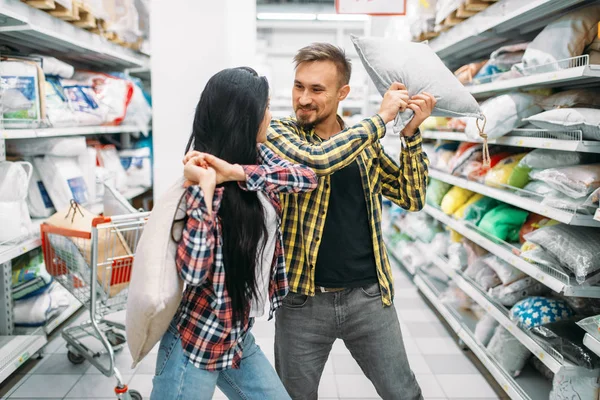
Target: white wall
{"x":191,"y":41}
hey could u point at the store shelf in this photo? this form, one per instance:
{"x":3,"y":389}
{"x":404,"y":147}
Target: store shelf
{"x":566,"y":73}
{"x":10,"y":251}
{"x":528,"y":138}
{"x":75,"y":131}
{"x":555,"y":280}
{"x":505,"y":22}
{"x":16,"y":350}
{"x":392,"y":251}
{"x":550,"y":357}
{"x":529,"y":204}
{"x":63,"y":316}
{"x":529,"y":386}
{"x":592,"y":343}
{"x":33,"y":31}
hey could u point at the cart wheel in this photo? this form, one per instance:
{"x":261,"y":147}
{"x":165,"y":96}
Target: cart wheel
{"x":135,"y":395}
{"x":75,"y":358}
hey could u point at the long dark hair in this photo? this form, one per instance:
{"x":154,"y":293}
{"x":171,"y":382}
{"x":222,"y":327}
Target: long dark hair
{"x":228,"y":117}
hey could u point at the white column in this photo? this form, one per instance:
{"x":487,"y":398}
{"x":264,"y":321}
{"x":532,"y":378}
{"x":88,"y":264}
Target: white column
{"x":191,"y":41}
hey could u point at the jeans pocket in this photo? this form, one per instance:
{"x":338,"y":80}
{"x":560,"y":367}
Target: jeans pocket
{"x":371,"y":290}
{"x":167,"y":344}
{"x":295,"y":300}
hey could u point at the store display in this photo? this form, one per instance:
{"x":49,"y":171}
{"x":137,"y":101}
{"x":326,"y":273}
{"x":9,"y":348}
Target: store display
{"x":503,"y":114}
{"x":508,"y":351}
{"x":563,"y":38}
{"x":390,"y":60}
{"x":156,"y":288}
{"x":587,"y":120}
{"x":535,"y":311}
{"x":465,"y":154}
{"x":14,"y":215}
{"x":576,"y":248}
{"x":576,"y":181}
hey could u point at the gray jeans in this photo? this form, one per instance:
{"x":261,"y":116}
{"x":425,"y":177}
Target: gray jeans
{"x":306,"y":327}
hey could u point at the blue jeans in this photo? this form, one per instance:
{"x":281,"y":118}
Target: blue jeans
{"x":178,"y":379}
{"x":306,"y":327}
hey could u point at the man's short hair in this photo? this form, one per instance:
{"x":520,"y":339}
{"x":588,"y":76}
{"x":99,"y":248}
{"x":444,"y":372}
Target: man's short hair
{"x":326,"y":52}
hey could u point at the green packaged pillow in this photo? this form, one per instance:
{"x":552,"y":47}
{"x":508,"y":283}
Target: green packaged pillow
{"x":436,"y":192}
{"x":504,"y":222}
{"x":519,"y":177}
{"x":475,"y":212}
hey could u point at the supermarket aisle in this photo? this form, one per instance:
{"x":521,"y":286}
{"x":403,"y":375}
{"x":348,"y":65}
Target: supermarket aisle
{"x":443,"y":370}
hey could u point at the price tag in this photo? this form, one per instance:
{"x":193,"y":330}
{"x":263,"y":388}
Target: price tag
{"x":520,"y":142}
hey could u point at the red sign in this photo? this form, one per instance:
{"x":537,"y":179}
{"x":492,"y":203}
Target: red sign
{"x":371,"y":7}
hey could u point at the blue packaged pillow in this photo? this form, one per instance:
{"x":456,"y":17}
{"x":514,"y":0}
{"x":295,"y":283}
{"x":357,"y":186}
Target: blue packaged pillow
{"x":535,"y":311}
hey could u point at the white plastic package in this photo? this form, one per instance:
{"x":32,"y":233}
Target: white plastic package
{"x":457,"y":256}
{"x":38,"y":200}
{"x":456,"y":298}
{"x":575,"y":247}
{"x":54,"y":66}
{"x":565,"y":387}
{"x":138,"y":166}
{"x":511,"y":294}
{"x":139,"y":112}
{"x":58,"y":111}
{"x":110,"y":160}
{"x":506,"y":272}
{"x":576,"y":181}
{"x":15,"y":221}
{"x":540,"y":188}
{"x":508,"y":351}
{"x":36,"y":311}
{"x":114,"y":94}
{"x":63,"y":179}
{"x":87,"y":163}
{"x":59,"y":146}
{"x":546,"y":158}
{"x":20,"y":88}
{"x":485,"y":329}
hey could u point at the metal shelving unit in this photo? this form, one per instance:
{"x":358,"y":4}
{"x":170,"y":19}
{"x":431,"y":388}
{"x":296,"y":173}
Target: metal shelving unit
{"x":16,"y":350}
{"x":526,"y":203}
{"x":72,"y":131}
{"x":555,"y":280}
{"x":528,"y":386}
{"x":528,"y":138}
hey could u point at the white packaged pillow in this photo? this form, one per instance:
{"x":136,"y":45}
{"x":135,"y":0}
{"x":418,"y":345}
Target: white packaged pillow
{"x":60,"y":146}
{"x":63,"y":180}
{"x":508,"y":351}
{"x":506,"y":272}
{"x":111,"y":161}
{"x":587,"y":120}
{"x":546,"y":158}
{"x":503,"y":114}
{"x":87,"y":163}
{"x":485,"y":329}
{"x":391,"y":60}
{"x":15,"y":221}
{"x":38,"y":199}
{"x":138,"y":166}
{"x":564,"y":38}
{"x":155,"y":289}
{"x":575,"y":181}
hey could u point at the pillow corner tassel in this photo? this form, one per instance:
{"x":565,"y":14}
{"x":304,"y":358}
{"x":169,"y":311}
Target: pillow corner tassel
{"x":484,"y":136}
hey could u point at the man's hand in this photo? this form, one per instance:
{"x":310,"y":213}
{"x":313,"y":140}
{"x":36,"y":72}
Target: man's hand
{"x":422,"y":104}
{"x":225,"y":172}
{"x":395,"y":100}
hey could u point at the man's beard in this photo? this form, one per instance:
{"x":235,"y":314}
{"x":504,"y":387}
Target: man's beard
{"x":306,"y":123}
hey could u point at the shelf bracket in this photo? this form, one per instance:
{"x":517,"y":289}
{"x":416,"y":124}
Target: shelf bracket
{"x":6,"y":304}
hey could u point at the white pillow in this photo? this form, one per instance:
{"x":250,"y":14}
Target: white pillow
{"x":63,"y":180}
{"x":564,"y":38}
{"x":38,"y":199}
{"x":155,"y":289}
{"x":390,"y":60}
{"x":503,"y":114}
{"x":585,"y":119}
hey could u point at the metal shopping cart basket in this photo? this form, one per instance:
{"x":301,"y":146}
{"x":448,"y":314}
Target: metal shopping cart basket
{"x":95,"y":266}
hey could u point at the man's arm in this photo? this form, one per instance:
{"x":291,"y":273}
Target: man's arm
{"x":405,"y":184}
{"x":327,"y":157}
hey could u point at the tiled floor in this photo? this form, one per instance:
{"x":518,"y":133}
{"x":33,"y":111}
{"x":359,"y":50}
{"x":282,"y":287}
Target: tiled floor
{"x":442,"y":368}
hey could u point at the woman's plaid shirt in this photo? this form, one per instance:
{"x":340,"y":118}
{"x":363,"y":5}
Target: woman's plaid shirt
{"x":211,"y":340}
{"x":304,"y":214}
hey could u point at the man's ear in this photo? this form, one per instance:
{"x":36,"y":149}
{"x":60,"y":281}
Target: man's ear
{"x":343,"y":92}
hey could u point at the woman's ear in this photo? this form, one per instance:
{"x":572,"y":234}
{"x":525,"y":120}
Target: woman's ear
{"x":343,"y":92}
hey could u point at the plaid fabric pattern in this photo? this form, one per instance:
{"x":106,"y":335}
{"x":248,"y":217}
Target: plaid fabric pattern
{"x":304,"y":214}
{"x":211,"y":339}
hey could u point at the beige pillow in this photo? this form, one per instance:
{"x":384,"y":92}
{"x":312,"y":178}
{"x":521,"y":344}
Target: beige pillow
{"x":575,"y":98}
{"x":155,"y":289}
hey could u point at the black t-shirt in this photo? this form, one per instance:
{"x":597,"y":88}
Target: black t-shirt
{"x":346,"y":257}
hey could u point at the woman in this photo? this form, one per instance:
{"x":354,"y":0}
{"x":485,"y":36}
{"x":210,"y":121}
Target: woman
{"x":230,"y":255}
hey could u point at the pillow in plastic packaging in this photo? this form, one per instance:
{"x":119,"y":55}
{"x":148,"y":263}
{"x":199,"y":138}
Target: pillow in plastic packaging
{"x":476,"y":170}
{"x":439,"y":244}
{"x":474,"y":251}
{"x":466,"y":73}
{"x":84,"y":103}
{"x":454,"y":297}
{"x":563,"y":38}
{"x":587,"y":120}
{"x":466,"y":153}
{"x":576,"y":181}
{"x":567,"y":338}
{"x":390,"y":60}
{"x":535,"y":311}
{"x":457,"y":256}
{"x":442,"y":160}
{"x":568,"y":204}
{"x":540,"y":256}
{"x":534,"y":221}
{"x":504,"y":222}
{"x":511,"y":294}
{"x":591,"y":325}
{"x":38,"y":200}
{"x":575,"y":247}
{"x":436,"y":192}
{"x":138,"y":166}
{"x":56,"y":67}
{"x":546,"y":158}
{"x":508,"y":351}
{"x":538,"y":188}
{"x":14,"y":215}
{"x":60,"y":146}
{"x":475,"y":212}
{"x":506,"y":272}
{"x":474,"y":268}
{"x":21,"y":99}
{"x":485,"y":329}
{"x":582,"y":305}
{"x":58,"y":111}
{"x":574,"y":98}
{"x":460,"y":213}
{"x":503,"y":114}
{"x":565,"y":387}
{"x":63,"y":180}
{"x":519,"y":177}
{"x":110,"y":160}
{"x":501,"y":173}
{"x":454,"y":199}
{"x":487,"y":277}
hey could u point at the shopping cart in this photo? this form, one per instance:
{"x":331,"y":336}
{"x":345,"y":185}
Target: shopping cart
{"x":95,"y":266}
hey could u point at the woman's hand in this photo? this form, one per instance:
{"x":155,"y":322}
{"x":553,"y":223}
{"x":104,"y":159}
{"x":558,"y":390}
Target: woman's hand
{"x":225,"y":172}
{"x":196,"y":173}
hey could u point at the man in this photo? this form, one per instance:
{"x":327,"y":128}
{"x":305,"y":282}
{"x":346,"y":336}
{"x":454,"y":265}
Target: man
{"x":338,"y":271}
